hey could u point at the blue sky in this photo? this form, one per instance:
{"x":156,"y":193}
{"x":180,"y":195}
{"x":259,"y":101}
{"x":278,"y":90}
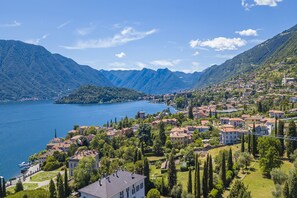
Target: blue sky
{"x":131,"y":34}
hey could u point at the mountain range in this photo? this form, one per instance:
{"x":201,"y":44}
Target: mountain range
{"x":31,"y":71}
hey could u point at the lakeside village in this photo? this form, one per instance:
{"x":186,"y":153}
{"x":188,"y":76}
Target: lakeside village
{"x":212,"y":150}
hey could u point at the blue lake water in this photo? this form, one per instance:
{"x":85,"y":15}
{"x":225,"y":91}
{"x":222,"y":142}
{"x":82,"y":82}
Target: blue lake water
{"x":26,"y":127}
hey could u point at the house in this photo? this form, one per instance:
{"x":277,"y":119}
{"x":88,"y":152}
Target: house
{"x":253,"y":119}
{"x":276,"y":114}
{"x":191,"y":129}
{"x":293,"y":99}
{"x":63,"y":146}
{"x":121,"y":184}
{"x":236,"y":122}
{"x":260,"y":129}
{"x":287,"y":81}
{"x":73,"y":161}
{"x":141,"y":114}
{"x":75,"y":138}
{"x":204,"y":122}
{"x":224,"y":120}
{"x":231,"y":135}
{"x":293,"y":111}
{"x":269,"y":123}
{"x":180,"y":138}
{"x":44,"y":156}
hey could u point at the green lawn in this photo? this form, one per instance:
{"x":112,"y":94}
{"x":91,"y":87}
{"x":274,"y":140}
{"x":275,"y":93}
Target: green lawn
{"x":43,"y":176}
{"x":27,"y":186}
{"x":155,"y":158}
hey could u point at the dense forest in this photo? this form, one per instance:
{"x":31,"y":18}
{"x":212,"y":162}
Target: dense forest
{"x":91,"y":94}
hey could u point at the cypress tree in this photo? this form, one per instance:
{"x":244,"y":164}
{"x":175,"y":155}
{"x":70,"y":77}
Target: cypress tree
{"x":223,"y":170}
{"x":142,"y":148}
{"x":190,"y":181}
{"x":210,"y":174}
{"x":286,"y":191}
{"x":139,"y":155}
{"x":249,"y":143}
{"x":55,"y":133}
{"x":197,"y":187}
{"x":52,"y":189}
{"x":190,"y":113}
{"x":293,"y":185}
{"x":135,"y":155}
{"x":291,"y":144}
{"x":4,"y":188}
{"x":162,"y":135}
{"x":60,"y":186}
{"x":162,"y":189}
{"x":230,"y":160}
{"x":275,"y":127}
{"x":205,"y":180}
{"x":281,"y":126}
{"x":254,"y":142}
{"x":1,"y":188}
{"x":242,"y":143}
{"x":66,"y":186}
{"x":146,"y":173}
{"x":172,"y":178}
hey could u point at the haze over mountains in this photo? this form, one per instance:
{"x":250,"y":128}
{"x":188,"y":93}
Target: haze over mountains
{"x":28,"y":71}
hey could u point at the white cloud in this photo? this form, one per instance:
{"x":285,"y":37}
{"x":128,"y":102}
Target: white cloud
{"x":219,"y":43}
{"x":196,"y":53}
{"x":127,"y":35}
{"x":36,"y":41}
{"x":85,"y":30}
{"x":166,"y":63}
{"x":120,"y":55}
{"x":117,"y":64}
{"x":247,"y":32}
{"x":63,"y":25}
{"x":141,"y":64}
{"x":13,"y":24}
{"x":247,"y":4}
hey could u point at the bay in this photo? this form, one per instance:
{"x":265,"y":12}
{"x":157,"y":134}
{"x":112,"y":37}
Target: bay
{"x":26,"y":127}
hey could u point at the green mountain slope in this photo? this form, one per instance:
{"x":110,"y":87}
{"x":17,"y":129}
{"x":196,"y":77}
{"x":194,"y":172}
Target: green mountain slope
{"x":91,"y":94}
{"x":30,"y":71}
{"x":281,"y":46}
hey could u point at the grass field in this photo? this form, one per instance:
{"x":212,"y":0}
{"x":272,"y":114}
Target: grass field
{"x":43,"y":176}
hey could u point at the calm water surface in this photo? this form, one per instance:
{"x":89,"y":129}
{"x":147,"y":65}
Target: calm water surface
{"x":25,"y":128}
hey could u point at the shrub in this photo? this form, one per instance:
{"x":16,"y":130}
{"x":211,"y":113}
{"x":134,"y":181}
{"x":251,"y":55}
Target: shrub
{"x":153,"y":193}
{"x":214,"y":193}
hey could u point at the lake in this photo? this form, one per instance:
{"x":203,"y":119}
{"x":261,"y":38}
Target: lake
{"x":26,"y":127}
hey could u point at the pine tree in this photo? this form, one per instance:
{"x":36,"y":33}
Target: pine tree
{"x":190,"y":181}
{"x":197,"y":187}
{"x":223,"y":170}
{"x":291,"y":144}
{"x":52,"y":189}
{"x":230,"y":160}
{"x":281,"y":126}
{"x":205,"y":180}
{"x":172,"y":178}
{"x":210,"y":174}
{"x":60,"y":186}
{"x":162,"y":135}
{"x":146,"y":173}
{"x":286,"y":192}
{"x":19,"y":186}
{"x":242,"y":143}
{"x":66,"y":186}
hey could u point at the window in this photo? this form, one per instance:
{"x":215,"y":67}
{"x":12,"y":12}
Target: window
{"x":141,"y":186}
{"x":133,"y":191}
{"x":127,"y":190}
{"x":122,"y":194}
{"x":137,"y":188}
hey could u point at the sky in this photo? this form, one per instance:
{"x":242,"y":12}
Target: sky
{"x":179,"y":35}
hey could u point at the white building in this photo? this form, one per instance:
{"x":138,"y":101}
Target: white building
{"x":121,"y":184}
{"x":230,"y":135}
{"x":73,"y":161}
{"x":276,"y":114}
